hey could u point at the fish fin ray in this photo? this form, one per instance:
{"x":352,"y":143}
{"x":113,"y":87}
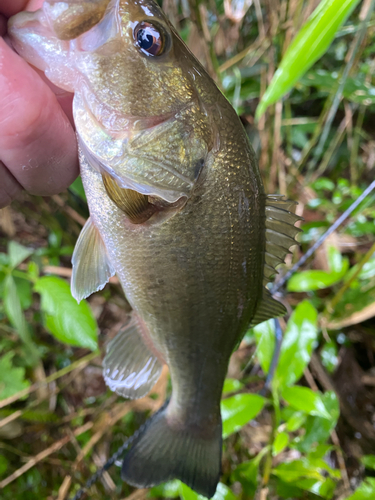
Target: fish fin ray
{"x":129,"y":367}
{"x":267,"y":308}
{"x":91,"y":267}
{"x":280,"y":232}
{"x":161,"y":453}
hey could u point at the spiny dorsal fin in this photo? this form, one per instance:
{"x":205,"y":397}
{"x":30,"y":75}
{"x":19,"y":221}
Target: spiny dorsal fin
{"x":280,"y":235}
{"x":280,"y":232}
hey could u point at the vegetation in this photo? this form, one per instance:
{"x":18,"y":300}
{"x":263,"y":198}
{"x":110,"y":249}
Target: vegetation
{"x":312,"y":434}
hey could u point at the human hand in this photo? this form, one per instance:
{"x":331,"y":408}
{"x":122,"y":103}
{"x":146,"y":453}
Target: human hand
{"x":38,"y":149}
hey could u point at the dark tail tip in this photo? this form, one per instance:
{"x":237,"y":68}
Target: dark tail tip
{"x":161,"y":453}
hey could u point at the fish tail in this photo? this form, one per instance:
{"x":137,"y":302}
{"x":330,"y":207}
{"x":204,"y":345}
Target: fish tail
{"x":164,"y":451}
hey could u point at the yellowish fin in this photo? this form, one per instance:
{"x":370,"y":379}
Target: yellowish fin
{"x":135,"y":205}
{"x":91,"y":267}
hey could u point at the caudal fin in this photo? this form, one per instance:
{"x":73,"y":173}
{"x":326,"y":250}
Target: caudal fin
{"x":161,"y":453}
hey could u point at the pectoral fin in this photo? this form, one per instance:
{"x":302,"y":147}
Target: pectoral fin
{"x":91,"y":267}
{"x":129,"y":367}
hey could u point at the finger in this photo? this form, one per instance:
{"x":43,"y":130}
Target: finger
{"x":11,"y":7}
{"x":37,"y":142}
{"x":9,"y":187}
{"x":3,"y":25}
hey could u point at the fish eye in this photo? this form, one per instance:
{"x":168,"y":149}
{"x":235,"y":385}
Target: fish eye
{"x":150,"y":38}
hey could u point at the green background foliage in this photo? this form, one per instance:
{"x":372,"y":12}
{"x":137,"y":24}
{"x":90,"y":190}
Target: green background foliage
{"x":305,"y":70}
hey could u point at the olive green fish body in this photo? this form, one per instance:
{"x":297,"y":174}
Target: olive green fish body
{"x":177,"y":211}
{"x":195,"y":279}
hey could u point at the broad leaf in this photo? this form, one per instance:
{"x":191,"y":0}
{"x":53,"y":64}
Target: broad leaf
{"x":368,"y":461}
{"x":306,"y":400}
{"x":17,"y":253}
{"x":306,"y":281}
{"x":232,"y":385}
{"x":68,"y":321}
{"x":297,"y":346}
{"x":297,"y":469}
{"x":365,"y":491}
{"x":265,"y":340}
{"x":239,"y":410}
{"x":12,"y":379}
{"x":329,"y":356}
{"x":222,"y":493}
{"x":318,"y":429}
{"x":13,"y":309}
{"x":280,"y":443}
{"x":308,"y":46}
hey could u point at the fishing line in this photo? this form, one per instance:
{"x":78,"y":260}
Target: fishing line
{"x":321,"y":240}
{"x":98,"y":474}
{"x":278,"y":336}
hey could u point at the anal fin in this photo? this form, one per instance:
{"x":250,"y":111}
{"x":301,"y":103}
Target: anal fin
{"x":91,"y":267}
{"x":129,"y":367}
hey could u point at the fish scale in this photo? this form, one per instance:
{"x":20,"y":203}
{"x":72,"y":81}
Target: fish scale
{"x":177,"y":211}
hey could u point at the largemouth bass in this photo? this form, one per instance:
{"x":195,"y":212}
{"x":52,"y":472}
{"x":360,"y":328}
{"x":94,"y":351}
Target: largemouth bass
{"x":177,"y":211}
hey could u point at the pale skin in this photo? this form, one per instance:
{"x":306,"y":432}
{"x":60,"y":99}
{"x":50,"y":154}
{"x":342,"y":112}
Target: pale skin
{"x":38,"y":150}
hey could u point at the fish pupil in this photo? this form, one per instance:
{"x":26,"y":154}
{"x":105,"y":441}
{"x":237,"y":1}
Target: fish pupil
{"x":145,"y":40}
{"x":150,"y":39}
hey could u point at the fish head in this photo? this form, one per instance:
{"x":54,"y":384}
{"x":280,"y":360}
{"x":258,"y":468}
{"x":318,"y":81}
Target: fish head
{"x":139,"y":92}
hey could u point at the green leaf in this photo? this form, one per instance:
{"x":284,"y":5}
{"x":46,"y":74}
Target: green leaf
{"x":296,"y":349}
{"x":77,"y":188}
{"x":355,"y":90}
{"x":232,"y":385}
{"x":3,"y":465}
{"x":68,"y":321}
{"x":292,"y":471}
{"x":368,"y":461}
{"x":13,"y":309}
{"x":222,"y":493}
{"x":239,"y":410}
{"x":324,"y":488}
{"x":308,"y":46}
{"x":304,"y":399}
{"x":24,"y":292}
{"x":265,"y":340}
{"x":318,"y":429}
{"x":295,"y":421}
{"x":247,"y":473}
{"x":17,"y":253}
{"x":12,"y":379}
{"x":329,"y":357}
{"x":365,"y":491}
{"x":336,"y":262}
{"x":280,"y":443}
{"x":170,"y":489}
{"x":306,"y":281}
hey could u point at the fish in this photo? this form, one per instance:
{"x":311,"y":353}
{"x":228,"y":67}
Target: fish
{"x":177,"y":211}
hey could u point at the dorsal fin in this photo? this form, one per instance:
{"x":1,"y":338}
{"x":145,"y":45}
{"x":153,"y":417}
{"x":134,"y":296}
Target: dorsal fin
{"x":280,"y":235}
{"x":280,"y":232}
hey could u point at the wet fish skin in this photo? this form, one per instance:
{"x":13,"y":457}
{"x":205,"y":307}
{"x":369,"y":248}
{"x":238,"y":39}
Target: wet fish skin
{"x":193,"y":272}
